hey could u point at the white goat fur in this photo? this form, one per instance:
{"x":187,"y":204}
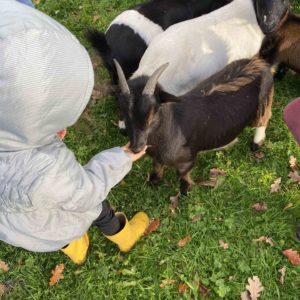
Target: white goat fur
{"x":198,"y":48}
{"x":141,"y":25}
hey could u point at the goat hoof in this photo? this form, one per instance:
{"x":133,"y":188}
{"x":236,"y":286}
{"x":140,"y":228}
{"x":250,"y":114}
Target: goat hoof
{"x":255,"y":146}
{"x":298,"y":234}
{"x":123,"y":131}
{"x":154,"y":180}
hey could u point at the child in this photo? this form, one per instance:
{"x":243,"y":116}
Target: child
{"x":47,"y":199}
{"x":27,"y":2}
{"x":292,"y":119}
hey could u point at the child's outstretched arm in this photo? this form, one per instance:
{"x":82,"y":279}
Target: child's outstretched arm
{"x":81,"y":188}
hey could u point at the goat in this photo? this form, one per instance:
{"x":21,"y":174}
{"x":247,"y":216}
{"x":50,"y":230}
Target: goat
{"x":210,"y":116}
{"x":198,"y":48}
{"x":130,"y":33}
{"x":283,"y":46}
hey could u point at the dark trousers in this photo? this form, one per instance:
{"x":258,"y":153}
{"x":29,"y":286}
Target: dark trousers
{"x":108,"y":223}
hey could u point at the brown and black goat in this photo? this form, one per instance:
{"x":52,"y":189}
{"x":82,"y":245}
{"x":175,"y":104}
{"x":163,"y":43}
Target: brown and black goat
{"x":283,"y":46}
{"x":211,"y":116}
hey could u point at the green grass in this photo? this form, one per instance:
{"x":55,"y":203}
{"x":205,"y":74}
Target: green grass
{"x":225,"y":211}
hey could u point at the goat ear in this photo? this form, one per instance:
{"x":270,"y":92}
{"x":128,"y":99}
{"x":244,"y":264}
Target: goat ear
{"x":152,"y":81}
{"x":122,"y":79}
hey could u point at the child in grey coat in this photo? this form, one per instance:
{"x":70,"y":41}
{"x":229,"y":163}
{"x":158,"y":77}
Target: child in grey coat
{"x":48,"y":200}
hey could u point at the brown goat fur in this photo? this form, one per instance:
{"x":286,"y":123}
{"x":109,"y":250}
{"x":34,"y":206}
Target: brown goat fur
{"x":283,"y":46}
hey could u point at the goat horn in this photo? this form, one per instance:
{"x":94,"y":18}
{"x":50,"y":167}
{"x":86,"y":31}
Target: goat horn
{"x":122,"y":79}
{"x":152,"y":81}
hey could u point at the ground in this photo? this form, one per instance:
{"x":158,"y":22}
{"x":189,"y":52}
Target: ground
{"x":206,"y":215}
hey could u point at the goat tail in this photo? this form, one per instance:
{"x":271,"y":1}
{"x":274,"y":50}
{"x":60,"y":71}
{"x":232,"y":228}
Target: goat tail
{"x":99,"y":43}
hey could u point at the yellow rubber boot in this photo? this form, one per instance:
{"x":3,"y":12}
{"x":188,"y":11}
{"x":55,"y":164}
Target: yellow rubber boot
{"x":77,"y":249}
{"x":131,"y":232}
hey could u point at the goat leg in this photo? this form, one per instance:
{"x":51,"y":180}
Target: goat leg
{"x":185,"y":184}
{"x":157,"y":174}
{"x":261,"y":123}
{"x":183,"y":170}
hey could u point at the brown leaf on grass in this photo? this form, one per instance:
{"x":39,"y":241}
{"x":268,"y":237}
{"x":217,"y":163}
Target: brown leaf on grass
{"x":223,"y":245}
{"x":56,"y":274}
{"x":182,"y":287}
{"x":184,"y":241}
{"x":167,"y":282}
{"x":288,"y":206}
{"x":96,"y":18}
{"x":293,"y":256}
{"x":245,"y":295}
{"x":254,"y":288}
{"x":203,"y":290}
{"x":103,"y":90}
{"x":216,"y":178}
{"x":196,"y":218}
{"x":295,"y":176}
{"x":3,"y":289}
{"x":282,"y":271}
{"x":95,"y":65}
{"x":153,"y":226}
{"x":37,"y":2}
{"x":265,"y":239}
{"x":260,"y":206}
{"x":214,"y":172}
{"x":208,"y":183}
{"x":275,"y":187}
{"x":4,"y":266}
{"x":259,"y":155}
{"x":174,"y":203}
{"x":293,"y":163}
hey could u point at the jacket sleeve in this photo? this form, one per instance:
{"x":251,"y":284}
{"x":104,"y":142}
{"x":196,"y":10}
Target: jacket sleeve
{"x":77,"y":188}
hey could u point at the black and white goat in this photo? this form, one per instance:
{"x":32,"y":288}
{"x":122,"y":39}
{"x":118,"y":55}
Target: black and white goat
{"x":130,"y":33}
{"x":200,"y":47}
{"x":283,"y":46}
{"x":210,"y":116}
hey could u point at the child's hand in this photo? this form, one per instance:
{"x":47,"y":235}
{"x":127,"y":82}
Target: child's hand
{"x":134,"y":156}
{"x":61,"y":134}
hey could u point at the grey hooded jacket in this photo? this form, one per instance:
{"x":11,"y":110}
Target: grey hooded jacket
{"x":47,"y":199}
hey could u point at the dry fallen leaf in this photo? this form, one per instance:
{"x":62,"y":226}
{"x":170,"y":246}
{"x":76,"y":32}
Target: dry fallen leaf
{"x":208,"y":183}
{"x":254,"y":288}
{"x":216,"y":178}
{"x":167,"y":282}
{"x":282,"y":271}
{"x":182,"y":287}
{"x":203,"y":290}
{"x":153,"y":226}
{"x":196,"y":218}
{"x":223,"y":244}
{"x":3,"y":289}
{"x":184,"y":241}
{"x":288,"y":206}
{"x":293,"y":256}
{"x":37,"y":2}
{"x":275,"y":187}
{"x":174,"y":203}
{"x":4,"y":266}
{"x":57,"y":274}
{"x":295,"y":176}
{"x":245,"y":295}
{"x":265,"y":239}
{"x":293,"y":163}
{"x":259,"y":155}
{"x":96,"y":18}
{"x":214,"y":172}
{"x":260,"y":206}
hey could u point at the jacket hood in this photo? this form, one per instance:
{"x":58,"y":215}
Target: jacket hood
{"x":46,"y":77}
